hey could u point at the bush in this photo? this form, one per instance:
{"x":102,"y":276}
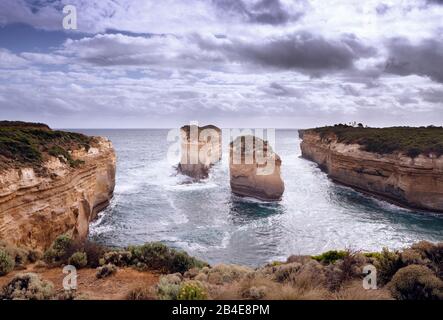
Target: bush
{"x":416,"y":282}
{"x":139,"y":293}
{"x":118,"y":258}
{"x":387,"y":264}
{"x":94,"y":252}
{"x":225,"y":273}
{"x":192,"y":290}
{"x":330,"y":256}
{"x":59,"y":251}
{"x":286,"y":272}
{"x":168,"y":287}
{"x":27,"y":286}
{"x":6,"y":263}
{"x":78,"y":260}
{"x":158,"y":256}
{"x":106,"y":271}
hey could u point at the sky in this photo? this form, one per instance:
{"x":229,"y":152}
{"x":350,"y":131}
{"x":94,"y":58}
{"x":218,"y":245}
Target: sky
{"x":232,"y":63}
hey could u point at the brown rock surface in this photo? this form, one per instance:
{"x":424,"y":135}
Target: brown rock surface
{"x":415,"y":183}
{"x":199,"y":150}
{"x":35,"y":208}
{"x":254,"y":173}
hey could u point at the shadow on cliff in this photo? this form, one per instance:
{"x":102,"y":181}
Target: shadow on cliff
{"x":247,"y":209}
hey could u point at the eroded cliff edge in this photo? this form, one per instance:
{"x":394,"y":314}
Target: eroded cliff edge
{"x":60,"y":190}
{"x":414,"y":181}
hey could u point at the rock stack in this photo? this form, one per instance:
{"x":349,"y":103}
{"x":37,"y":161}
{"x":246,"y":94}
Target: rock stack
{"x":201,"y":147}
{"x":255,"y":169}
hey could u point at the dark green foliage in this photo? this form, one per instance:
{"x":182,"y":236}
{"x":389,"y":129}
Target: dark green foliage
{"x":78,"y":260}
{"x":330,"y":256}
{"x":408,"y":140}
{"x":60,"y":250}
{"x":94,"y":252}
{"x":158,"y":256}
{"x":6,"y":263}
{"x":416,"y":282}
{"x":387,"y":264}
{"x":119,"y":258}
{"x":29,"y":143}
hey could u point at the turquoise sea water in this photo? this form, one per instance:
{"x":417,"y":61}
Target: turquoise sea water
{"x":153,"y":203}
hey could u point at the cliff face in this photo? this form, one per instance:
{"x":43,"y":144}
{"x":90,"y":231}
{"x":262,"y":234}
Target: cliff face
{"x":415,"y":183}
{"x":36,"y":208}
{"x":201,"y":147}
{"x":255,"y":169}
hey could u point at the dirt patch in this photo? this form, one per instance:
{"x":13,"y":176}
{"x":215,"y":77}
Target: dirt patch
{"x":114,"y":287}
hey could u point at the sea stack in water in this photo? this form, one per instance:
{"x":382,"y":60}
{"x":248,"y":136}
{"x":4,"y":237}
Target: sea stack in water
{"x":201,"y":147}
{"x":255,"y":169}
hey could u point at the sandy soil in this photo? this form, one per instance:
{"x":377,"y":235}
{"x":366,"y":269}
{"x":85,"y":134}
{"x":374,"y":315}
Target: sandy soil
{"x":114,"y":287}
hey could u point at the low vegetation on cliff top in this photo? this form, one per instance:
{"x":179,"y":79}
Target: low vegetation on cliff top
{"x":23,"y":143}
{"x":414,"y":273}
{"x":411,"y":141}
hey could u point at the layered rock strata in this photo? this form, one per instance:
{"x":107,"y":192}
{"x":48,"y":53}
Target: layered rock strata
{"x":412,"y":182}
{"x":35,"y":208}
{"x":255,"y":169}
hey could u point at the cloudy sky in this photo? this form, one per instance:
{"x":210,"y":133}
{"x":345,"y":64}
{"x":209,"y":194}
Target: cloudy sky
{"x":234,"y":63}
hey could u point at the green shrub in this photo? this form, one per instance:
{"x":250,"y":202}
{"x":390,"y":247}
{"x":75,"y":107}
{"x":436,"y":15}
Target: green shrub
{"x":192,"y":290}
{"x":118,"y":258}
{"x":29,"y":144}
{"x":78,"y":260}
{"x":168,"y":287}
{"x":59,"y":252}
{"x":158,"y":256}
{"x":94,"y":252}
{"x":330,"y":256}
{"x":387,"y":264}
{"x":411,"y":141}
{"x":416,"y":282}
{"x":106,"y":271}
{"x":27,"y":286}
{"x":6,"y":263}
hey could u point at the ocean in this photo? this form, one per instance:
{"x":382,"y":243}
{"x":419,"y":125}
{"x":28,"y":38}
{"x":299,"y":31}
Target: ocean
{"x":154,"y":203}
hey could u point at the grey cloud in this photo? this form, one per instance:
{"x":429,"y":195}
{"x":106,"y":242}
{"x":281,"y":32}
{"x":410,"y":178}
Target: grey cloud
{"x":423,"y":59}
{"x":350,"y":90}
{"x":263,"y":12}
{"x":382,"y":9}
{"x":306,"y":52}
{"x":432,"y":95}
{"x":277,"y":89}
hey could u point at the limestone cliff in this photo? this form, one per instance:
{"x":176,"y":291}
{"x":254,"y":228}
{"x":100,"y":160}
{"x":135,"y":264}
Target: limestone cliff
{"x":201,"y":147}
{"x":413,"y":182}
{"x":38,"y":202}
{"x":255,"y":169}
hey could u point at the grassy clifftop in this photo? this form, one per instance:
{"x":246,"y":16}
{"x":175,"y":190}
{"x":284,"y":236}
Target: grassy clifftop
{"x":411,"y":141}
{"x":24,"y":143}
